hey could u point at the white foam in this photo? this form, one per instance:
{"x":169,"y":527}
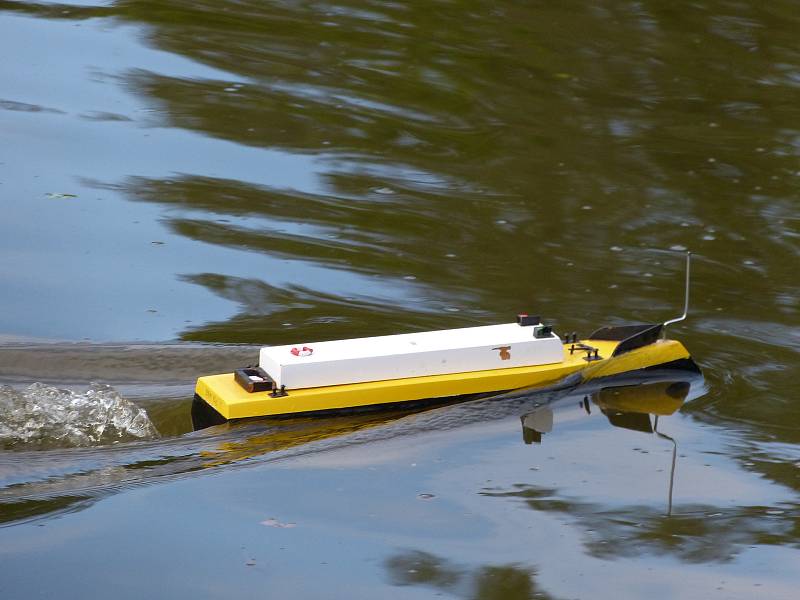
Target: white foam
{"x":46,"y":416}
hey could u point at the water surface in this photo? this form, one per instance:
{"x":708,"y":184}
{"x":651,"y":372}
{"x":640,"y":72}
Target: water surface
{"x":181,"y":182}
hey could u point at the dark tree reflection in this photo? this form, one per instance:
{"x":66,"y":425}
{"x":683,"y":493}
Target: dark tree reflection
{"x":490,"y":582}
{"x":694,"y":534}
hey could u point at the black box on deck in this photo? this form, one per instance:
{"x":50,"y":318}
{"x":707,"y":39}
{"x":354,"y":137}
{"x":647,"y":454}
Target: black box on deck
{"x":253,"y":379}
{"x":524,"y":319}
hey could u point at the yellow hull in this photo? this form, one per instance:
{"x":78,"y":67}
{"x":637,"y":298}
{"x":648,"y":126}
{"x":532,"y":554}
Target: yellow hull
{"x":231,"y":401}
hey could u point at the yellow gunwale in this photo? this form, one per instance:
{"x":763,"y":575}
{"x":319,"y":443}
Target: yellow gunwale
{"x":231,"y":401}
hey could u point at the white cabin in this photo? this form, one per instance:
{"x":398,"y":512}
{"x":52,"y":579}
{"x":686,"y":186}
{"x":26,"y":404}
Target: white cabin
{"x":317,"y":364}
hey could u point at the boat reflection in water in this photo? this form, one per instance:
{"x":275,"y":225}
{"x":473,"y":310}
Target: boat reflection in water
{"x":635,"y":407}
{"x":626,"y":401}
{"x":626,"y":406}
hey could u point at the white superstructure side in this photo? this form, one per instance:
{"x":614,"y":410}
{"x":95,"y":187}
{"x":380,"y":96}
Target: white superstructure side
{"x":359,"y":360}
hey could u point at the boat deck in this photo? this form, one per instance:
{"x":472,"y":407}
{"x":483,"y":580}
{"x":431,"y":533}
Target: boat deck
{"x":231,"y":401}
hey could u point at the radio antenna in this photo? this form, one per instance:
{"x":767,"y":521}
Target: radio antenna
{"x":686,"y":298}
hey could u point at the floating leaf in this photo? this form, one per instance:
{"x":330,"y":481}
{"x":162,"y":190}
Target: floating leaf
{"x":278,"y":524}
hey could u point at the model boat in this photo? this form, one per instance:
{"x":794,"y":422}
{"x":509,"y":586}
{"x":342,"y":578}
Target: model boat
{"x":387,"y":371}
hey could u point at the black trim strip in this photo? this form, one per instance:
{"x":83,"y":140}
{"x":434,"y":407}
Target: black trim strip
{"x":204,"y":415}
{"x":682,"y":364}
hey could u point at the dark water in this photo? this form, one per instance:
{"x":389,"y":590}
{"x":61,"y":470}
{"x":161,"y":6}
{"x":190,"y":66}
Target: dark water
{"x":183,"y":181}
